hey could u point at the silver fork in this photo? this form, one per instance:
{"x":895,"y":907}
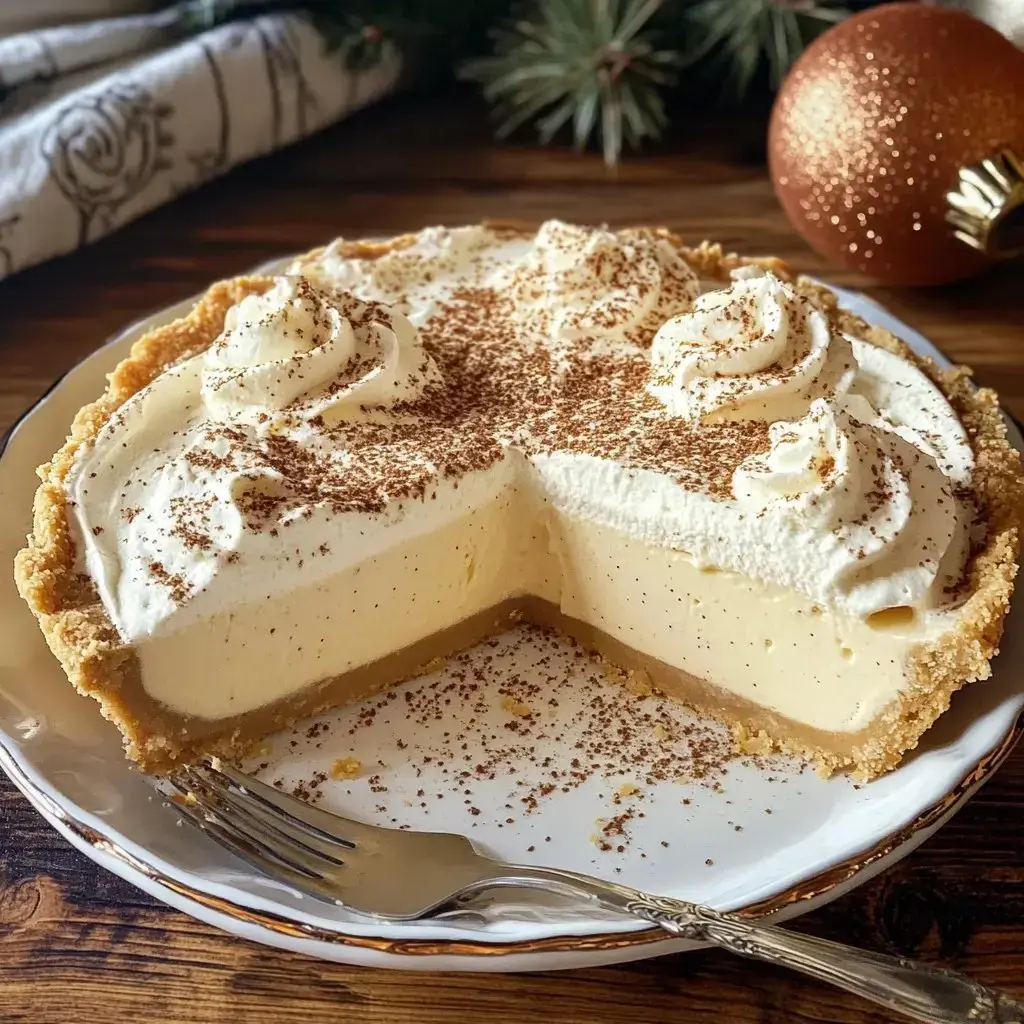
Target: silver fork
{"x":401,"y":875}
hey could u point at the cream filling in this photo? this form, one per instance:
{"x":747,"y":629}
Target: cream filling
{"x":772,"y":646}
{"x":259,"y":652}
{"x":769,"y":645}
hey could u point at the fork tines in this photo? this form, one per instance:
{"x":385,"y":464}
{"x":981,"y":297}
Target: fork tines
{"x":269,"y":829}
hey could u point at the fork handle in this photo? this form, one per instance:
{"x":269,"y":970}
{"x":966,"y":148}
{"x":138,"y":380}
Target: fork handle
{"x":924,"y":993}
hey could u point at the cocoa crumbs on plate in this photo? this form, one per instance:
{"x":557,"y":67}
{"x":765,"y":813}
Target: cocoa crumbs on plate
{"x":621,"y":737}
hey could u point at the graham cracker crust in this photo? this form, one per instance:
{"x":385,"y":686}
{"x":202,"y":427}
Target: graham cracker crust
{"x":160,"y":738}
{"x":100,"y":665}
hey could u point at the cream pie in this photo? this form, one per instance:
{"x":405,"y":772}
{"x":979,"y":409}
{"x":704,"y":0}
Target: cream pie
{"x":315,"y":484}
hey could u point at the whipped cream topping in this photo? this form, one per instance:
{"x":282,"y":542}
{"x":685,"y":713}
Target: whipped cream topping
{"x":806,"y":470}
{"x":868,"y":506}
{"x":894,"y":394}
{"x":326,"y":351}
{"x":756,"y":350}
{"x":415,"y":277}
{"x":585,"y":284}
{"x":361,"y":399}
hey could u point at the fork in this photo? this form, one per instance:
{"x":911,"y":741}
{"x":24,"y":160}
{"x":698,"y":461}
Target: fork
{"x":400,"y":875}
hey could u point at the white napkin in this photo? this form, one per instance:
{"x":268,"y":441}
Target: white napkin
{"x":103,"y":120}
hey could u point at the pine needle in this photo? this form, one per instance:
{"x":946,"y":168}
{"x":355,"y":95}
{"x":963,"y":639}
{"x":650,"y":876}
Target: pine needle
{"x":594,"y":63}
{"x":597,"y":68}
{"x":742,"y":36}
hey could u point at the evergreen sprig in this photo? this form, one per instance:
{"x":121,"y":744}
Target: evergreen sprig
{"x":600,"y":68}
{"x":596,"y":64}
{"x":739,"y":37}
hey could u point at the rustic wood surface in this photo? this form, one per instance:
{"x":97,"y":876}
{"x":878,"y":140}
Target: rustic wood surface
{"x":78,"y":944}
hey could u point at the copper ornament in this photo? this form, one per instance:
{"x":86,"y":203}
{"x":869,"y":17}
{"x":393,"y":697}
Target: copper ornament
{"x":873,"y":128}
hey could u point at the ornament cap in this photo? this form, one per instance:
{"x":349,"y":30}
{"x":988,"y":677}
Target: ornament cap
{"x":986,"y":209}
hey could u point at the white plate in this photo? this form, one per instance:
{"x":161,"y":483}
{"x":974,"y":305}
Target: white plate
{"x":819,"y":839}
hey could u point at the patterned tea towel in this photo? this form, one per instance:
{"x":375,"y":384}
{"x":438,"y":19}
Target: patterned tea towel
{"x":103,"y":120}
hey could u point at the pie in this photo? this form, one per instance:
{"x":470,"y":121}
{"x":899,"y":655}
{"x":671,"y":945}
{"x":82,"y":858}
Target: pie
{"x":314,"y":485}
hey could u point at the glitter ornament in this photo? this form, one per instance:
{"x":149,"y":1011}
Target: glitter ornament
{"x":892,"y":144}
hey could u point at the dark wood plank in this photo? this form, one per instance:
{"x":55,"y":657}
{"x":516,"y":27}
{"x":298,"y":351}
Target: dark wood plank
{"x":79,"y":944}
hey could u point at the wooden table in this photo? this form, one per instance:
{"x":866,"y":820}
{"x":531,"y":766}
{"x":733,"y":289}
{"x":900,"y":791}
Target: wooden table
{"x":78,"y":944}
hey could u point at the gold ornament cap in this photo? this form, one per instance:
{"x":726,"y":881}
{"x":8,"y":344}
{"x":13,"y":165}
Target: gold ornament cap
{"x":987,"y":207}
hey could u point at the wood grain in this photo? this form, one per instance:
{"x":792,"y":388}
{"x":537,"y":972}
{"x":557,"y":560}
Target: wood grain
{"x":78,"y":944}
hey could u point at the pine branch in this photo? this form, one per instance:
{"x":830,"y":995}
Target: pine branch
{"x":739,"y":37}
{"x":599,"y":68}
{"x":594,"y":63}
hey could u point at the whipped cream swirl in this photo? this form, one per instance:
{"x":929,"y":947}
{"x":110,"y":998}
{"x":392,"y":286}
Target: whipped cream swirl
{"x":584,"y":283}
{"x":868,"y":508}
{"x":404,"y":276}
{"x":891,"y":393}
{"x":807,"y":469}
{"x":325,"y":352}
{"x":754,"y":350}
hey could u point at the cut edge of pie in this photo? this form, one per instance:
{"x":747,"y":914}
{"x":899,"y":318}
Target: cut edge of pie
{"x":85,"y":642}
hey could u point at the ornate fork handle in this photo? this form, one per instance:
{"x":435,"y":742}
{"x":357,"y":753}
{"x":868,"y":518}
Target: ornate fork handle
{"x":924,"y":993}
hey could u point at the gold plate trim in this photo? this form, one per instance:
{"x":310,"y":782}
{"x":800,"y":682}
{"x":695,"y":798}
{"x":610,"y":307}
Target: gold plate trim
{"x":810,"y":888}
